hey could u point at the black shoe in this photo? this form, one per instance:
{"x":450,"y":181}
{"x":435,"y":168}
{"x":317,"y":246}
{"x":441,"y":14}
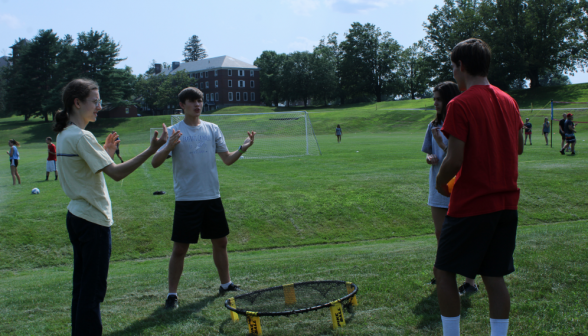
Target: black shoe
{"x":562,"y":152}
{"x":232,"y":288}
{"x":433,"y":281}
{"x":466,"y":288}
{"x":171,"y":302}
{"x":46,"y":179}
{"x":573,"y":153}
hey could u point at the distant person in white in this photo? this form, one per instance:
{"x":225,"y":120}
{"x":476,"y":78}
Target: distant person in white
{"x":192,"y":145}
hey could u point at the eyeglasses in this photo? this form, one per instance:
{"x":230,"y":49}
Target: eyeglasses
{"x":98,"y":102}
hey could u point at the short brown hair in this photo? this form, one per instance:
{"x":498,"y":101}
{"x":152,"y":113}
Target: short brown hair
{"x":474,"y":54}
{"x":190,"y":93}
{"x":49,"y":138}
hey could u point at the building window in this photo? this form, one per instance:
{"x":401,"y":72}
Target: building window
{"x":241,"y":83}
{"x":215,"y":83}
{"x":238,"y":96}
{"x":230,"y":72}
{"x":216,"y":96}
{"x":244,"y":96}
{"x":230,"y":83}
{"x":207,"y":97}
{"x":206,"y":74}
{"x":230,"y":96}
{"x":202,"y":75}
{"x":251,"y":73}
{"x":206,"y":85}
{"x":215,"y":73}
{"x":202,"y":85}
{"x":252,"y":84}
{"x":241,"y":73}
{"x":252,"y":96}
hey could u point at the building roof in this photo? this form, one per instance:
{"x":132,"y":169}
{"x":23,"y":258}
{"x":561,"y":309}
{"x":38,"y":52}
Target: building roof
{"x":212,"y":63}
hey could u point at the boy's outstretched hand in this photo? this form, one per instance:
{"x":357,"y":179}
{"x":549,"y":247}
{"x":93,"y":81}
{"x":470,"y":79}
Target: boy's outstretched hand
{"x":249,"y":140}
{"x":110,"y":144}
{"x":156,"y":142}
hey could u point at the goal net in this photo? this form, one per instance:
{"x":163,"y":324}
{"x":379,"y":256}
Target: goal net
{"x":279,"y":134}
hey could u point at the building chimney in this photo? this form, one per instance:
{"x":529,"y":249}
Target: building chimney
{"x":175,"y":65}
{"x":157,"y":68}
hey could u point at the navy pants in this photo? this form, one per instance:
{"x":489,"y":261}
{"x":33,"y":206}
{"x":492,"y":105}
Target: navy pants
{"x":91,"y":248}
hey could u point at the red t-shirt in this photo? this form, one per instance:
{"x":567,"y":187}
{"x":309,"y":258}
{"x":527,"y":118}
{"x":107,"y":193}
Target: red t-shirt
{"x":51,"y":148}
{"x":489,"y":122}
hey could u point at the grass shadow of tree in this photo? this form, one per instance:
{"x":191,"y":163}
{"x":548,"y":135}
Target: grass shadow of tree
{"x":428,"y":310}
{"x":162,"y":316}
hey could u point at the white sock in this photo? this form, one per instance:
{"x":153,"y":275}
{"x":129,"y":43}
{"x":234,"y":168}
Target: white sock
{"x":498,"y":327}
{"x":226,"y":285}
{"x":169,"y":294}
{"x":450,"y":325}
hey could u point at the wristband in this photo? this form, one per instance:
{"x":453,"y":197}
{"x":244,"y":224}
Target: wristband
{"x":241,"y":150}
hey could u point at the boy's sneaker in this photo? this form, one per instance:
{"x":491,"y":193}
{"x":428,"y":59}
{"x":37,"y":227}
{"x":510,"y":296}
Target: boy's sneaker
{"x":171,"y":302}
{"x":573,"y":153}
{"x":562,"y":152}
{"x":466,"y":288}
{"x":232,"y":288}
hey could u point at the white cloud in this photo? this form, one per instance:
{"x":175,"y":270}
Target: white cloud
{"x":10,"y":21}
{"x":360,"y":6}
{"x":303,"y":7}
{"x":302,"y":44}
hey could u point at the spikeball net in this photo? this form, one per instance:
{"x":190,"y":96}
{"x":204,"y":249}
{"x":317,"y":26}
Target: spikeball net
{"x":296,"y":298}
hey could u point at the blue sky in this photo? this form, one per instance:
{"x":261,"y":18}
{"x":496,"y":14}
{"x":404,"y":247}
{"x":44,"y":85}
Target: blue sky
{"x":157,"y":30}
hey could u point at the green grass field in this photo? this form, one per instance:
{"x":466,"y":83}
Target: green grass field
{"x":357,"y":213}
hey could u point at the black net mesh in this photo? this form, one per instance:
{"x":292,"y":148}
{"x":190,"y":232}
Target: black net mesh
{"x":294,"y":298}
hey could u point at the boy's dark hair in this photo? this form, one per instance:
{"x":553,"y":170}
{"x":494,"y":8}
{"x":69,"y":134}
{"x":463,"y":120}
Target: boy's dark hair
{"x":49,"y":138}
{"x":474,"y":54}
{"x":447,"y":90}
{"x":190,"y":93}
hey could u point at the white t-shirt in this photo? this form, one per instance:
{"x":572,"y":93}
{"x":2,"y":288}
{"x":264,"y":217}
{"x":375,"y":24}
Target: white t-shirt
{"x":80,"y":157}
{"x":194,"y":161}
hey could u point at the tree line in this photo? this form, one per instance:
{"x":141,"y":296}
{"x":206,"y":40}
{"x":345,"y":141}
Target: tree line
{"x":536,"y":40}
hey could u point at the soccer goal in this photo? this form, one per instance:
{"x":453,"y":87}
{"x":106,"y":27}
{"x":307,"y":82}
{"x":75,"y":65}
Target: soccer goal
{"x":279,"y":134}
{"x":578,"y":109}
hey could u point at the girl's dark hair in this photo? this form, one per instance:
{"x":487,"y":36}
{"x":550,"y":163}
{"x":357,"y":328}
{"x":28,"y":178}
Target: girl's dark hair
{"x":16,"y":143}
{"x":78,"y":88}
{"x":338,"y":126}
{"x":448,"y":91}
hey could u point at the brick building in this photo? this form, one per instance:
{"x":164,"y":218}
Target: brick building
{"x":224,"y":80}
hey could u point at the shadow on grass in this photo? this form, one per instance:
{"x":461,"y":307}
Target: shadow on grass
{"x":161,"y":316}
{"x":428,"y":310}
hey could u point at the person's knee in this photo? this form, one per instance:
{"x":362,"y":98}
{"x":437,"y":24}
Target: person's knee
{"x":220,"y":243}
{"x":179,"y":251}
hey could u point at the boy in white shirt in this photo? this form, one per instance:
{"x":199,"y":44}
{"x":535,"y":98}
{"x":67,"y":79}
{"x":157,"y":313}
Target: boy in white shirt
{"x":192,"y":145}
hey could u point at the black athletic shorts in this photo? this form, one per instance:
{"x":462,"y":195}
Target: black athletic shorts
{"x":14,"y":162}
{"x":481,"y":244}
{"x":563,"y":135}
{"x":193,"y":218}
{"x":117,"y":152}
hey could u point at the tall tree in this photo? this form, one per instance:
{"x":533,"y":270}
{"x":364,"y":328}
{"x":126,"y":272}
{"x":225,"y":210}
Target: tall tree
{"x":416,"y":70}
{"x":270,"y":73}
{"x":323,"y":67}
{"x":4,"y":111}
{"x":370,"y":61}
{"x":193,"y":50}
{"x":167,"y":92}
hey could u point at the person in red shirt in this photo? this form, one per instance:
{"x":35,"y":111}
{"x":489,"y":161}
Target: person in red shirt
{"x":484,"y":128}
{"x":51,"y":159}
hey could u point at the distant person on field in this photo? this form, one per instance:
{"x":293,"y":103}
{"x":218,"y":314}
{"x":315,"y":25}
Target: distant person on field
{"x":435,"y":145}
{"x":528,"y":131}
{"x":14,"y":157}
{"x":198,"y":210}
{"x":82,"y":160}
{"x":484,"y":129}
{"x":117,"y":152}
{"x":338,"y":132}
{"x":562,"y":132}
{"x":546,"y":130}
{"x":570,"y":129}
{"x":51,"y":158}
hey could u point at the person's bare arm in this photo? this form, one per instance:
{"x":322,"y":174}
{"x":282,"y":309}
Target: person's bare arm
{"x":231,"y":157}
{"x":119,"y":171}
{"x":451,"y":164}
{"x":160,"y":157}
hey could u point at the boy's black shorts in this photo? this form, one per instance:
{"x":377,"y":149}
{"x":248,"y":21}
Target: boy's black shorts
{"x":481,"y":244}
{"x":205,"y":218}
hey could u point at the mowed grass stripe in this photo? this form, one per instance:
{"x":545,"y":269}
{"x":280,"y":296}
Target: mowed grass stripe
{"x":547,"y":290}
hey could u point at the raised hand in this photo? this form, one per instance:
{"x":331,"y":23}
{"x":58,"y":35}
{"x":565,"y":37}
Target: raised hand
{"x":156,"y":142}
{"x":437,"y":136}
{"x":110,"y":144}
{"x":174,"y":139}
{"x":249,"y":140}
